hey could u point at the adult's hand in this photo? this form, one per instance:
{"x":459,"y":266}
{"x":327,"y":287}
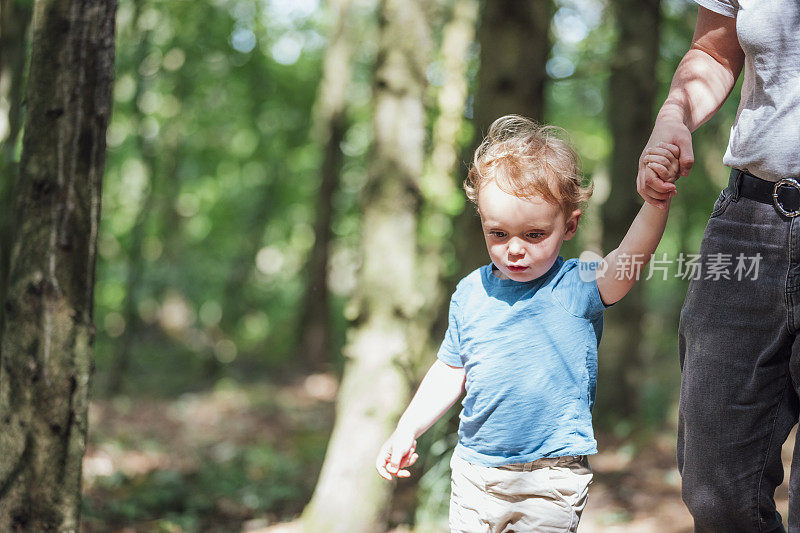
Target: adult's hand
{"x":703,"y":80}
{"x":650,"y":186}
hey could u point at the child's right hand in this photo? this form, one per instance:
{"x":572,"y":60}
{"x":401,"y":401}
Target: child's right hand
{"x":398,"y":452}
{"x":662,"y":161}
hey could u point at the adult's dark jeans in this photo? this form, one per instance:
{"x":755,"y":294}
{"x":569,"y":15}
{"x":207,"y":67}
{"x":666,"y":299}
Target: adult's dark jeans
{"x":740,"y":364}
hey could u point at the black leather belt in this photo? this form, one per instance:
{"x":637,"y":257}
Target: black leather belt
{"x":784,"y":194}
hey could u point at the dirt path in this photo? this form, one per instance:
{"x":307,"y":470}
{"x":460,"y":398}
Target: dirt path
{"x":133,"y":442}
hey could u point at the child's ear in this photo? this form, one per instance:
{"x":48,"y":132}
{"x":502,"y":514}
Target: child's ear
{"x":572,"y":224}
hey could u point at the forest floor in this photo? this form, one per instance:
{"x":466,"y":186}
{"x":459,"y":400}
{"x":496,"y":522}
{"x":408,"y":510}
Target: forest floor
{"x":245,"y":458}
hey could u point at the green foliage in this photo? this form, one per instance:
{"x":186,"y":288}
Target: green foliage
{"x":255,"y":481}
{"x":436,"y":448}
{"x":204,"y":461}
{"x":209,"y":193}
{"x":210,"y":163}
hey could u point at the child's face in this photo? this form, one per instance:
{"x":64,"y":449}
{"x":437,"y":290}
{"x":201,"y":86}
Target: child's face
{"x":523,"y":236}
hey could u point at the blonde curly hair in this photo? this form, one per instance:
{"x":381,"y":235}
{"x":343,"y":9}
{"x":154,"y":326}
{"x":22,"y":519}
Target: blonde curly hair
{"x":528,"y":159}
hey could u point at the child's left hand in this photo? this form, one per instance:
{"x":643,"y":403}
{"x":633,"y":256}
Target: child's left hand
{"x":397,"y":453}
{"x":662,"y":160}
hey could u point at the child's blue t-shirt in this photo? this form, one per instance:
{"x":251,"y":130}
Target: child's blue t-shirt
{"x":529,"y":350}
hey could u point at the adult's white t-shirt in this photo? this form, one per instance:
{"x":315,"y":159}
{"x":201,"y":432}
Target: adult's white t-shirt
{"x":765,"y":137}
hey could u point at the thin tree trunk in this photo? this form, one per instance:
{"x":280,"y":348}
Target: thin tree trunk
{"x":234,"y":305}
{"x":514,"y":36}
{"x":170,"y":184}
{"x":122,"y":348}
{"x":442,"y":196}
{"x":515,"y":44}
{"x":330,"y":127}
{"x":443,"y":175}
{"x":632,"y":91}
{"x":457,"y":37}
{"x":350,"y":497}
{"x":46,"y":344}
{"x":15,"y":17}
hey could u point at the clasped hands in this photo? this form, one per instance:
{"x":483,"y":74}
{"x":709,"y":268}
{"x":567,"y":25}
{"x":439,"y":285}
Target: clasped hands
{"x":667,"y":156}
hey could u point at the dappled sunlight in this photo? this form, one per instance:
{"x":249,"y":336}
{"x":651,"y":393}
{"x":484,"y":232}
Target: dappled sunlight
{"x":635,"y":489}
{"x":279,"y":209}
{"x":642,"y":491}
{"x":234,"y":454}
{"x":175,"y":314}
{"x":322,"y":387}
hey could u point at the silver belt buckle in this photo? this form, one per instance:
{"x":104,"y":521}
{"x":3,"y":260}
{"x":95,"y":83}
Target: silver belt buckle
{"x":789,"y":182}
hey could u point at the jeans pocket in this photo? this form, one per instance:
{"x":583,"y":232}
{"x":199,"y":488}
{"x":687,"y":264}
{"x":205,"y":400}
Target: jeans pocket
{"x":722,"y":203}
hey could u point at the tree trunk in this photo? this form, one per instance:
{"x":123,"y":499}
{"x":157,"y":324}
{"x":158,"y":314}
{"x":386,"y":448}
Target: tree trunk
{"x":514,"y":37}
{"x":457,"y":37}
{"x":515,"y":44}
{"x":350,"y":497}
{"x":46,"y":344}
{"x":120,"y":360}
{"x":632,"y":91}
{"x":443,"y":200}
{"x":443,"y":196}
{"x":329,"y":129}
{"x":15,"y":17}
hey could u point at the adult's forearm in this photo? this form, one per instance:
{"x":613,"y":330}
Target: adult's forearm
{"x":699,"y":87}
{"x":702,"y":82}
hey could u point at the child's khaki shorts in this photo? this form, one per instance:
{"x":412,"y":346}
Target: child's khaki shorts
{"x":547,"y":495}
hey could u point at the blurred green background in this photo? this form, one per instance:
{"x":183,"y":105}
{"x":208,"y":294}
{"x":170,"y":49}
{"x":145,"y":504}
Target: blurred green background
{"x":213,"y":406}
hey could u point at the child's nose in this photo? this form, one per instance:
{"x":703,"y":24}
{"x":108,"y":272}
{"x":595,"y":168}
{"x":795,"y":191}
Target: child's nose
{"x":515,"y":247}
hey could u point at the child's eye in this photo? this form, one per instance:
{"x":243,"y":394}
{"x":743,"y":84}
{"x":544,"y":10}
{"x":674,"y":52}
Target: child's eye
{"x":535,"y":235}
{"x":498,"y":234}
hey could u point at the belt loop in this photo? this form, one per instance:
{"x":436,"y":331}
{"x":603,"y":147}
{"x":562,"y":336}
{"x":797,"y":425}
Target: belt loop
{"x":735,"y":182}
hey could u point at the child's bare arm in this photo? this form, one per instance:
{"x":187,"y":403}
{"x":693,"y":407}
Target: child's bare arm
{"x":622,"y":266}
{"x":439,"y":390}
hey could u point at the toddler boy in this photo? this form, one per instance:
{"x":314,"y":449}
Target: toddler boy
{"x":522,"y":338}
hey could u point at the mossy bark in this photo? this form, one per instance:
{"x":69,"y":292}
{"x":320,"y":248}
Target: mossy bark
{"x":46,"y":345}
